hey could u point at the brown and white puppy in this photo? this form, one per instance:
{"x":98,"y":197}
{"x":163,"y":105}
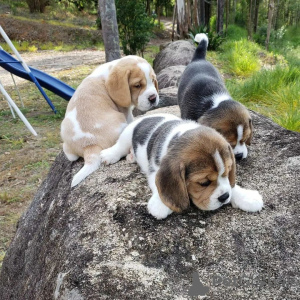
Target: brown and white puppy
{"x":183,"y":161}
{"x":203,"y":97}
{"x":101,"y":108}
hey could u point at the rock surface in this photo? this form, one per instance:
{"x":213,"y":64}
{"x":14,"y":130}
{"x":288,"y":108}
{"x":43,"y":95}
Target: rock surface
{"x":178,"y":53}
{"x":169,"y":76}
{"x":97,"y":241}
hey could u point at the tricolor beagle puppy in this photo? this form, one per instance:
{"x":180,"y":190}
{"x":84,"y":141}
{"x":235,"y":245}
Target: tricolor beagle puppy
{"x":203,"y":97}
{"x":183,"y":160}
{"x":101,"y":108}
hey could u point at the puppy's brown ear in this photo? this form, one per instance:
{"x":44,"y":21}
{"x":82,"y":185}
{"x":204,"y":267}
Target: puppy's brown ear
{"x":248,"y":142}
{"x":171,"y":185}
{"x":117,"y":85}
{"x":156,"y":84}
{"x":232,"y":172}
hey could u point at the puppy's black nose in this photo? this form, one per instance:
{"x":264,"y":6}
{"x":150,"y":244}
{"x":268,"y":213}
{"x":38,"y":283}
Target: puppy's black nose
{"x":223,"y":197}
{"x":239,"y":156}
{"x":152,"y":98}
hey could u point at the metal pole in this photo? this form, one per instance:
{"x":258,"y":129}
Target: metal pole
{"x":15,"y":107}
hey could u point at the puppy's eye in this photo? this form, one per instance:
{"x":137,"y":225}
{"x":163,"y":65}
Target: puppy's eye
{"x":205,"y":183}
{"x":137,"y":86}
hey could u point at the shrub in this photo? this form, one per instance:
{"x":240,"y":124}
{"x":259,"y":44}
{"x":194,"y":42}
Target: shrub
{"x":236,"y":33}
{"x":214,"y":39}
{"x":135,"y":27}
{"x":241,"y":57}
{"x":37,"y":5}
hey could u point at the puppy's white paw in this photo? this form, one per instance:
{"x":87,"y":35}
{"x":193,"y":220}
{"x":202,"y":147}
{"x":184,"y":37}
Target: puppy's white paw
{"x":157,"y":208}
{"x":247,"y":200}
{"x":109,"y":156}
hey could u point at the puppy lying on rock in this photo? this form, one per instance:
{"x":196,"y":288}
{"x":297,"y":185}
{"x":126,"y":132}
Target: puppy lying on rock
{"x":183,"y":160}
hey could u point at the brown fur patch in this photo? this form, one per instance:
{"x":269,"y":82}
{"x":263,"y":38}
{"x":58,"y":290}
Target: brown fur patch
{"x":226,"y":120}
{"x":190,"y":163}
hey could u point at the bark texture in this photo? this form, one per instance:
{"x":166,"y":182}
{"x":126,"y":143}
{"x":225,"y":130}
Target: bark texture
{"x":110,"y":31}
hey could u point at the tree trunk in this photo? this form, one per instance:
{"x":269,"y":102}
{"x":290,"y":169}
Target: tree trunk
{"x":249,"y":21}
{"x":158,"y":8}
{"x":188,"y":13}
{"x":174,"y":19}
{"x":207,"y":12}
{"x":227,"y":13}
{"x":202,"y":12}
{"x":233,"y":11}
{"x":196,"y":13}
{"x":255,"y":25}
{"x":110,"y":31}
{"x":220,"y":17}
{"x":148,"y":11}
{"x":270,"y":16}
{"x":182,"y":21}
{"x":37,"y":5}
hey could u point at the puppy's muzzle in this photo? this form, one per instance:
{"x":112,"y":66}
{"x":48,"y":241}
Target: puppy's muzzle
{"x":152,"y":99}
{"x":238,"y":156}
{"x":223,"y":197}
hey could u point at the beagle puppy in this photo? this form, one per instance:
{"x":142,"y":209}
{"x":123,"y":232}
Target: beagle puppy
{"x":203,"y":97}
{"x":183,"y":161}
{"x":101,"y":108}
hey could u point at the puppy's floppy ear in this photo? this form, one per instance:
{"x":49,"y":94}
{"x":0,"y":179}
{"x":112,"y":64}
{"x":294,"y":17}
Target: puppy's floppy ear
{"x":232,"y":172}
{"x":156,"y":84}
{"x":117,"y":85}
{"x":248,"y":142}
{"x":170,"y":182}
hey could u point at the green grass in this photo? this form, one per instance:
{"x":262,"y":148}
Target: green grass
{"x":241,"y":57}
{"x":150,"y":53}
{"x":275,"y":93}
{"x":60,"y":46}
{"x":292,"y":36}
{"x":236,"y":33}
{"x":6,"y":198}
{"x":2,"y":254}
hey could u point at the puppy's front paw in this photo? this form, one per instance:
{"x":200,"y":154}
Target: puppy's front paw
{"x":157,"y":208}
{"x":109,"y":156}
{"x":247,"y":200}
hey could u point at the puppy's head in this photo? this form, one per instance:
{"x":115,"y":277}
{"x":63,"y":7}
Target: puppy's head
{"x":233,"y":121}
{"x":132,"y":81}
{"x":200,"y":167}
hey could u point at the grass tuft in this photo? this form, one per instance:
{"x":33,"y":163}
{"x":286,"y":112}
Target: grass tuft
{"x":275,"y":93}
{"x":241,"y":57}
{"x":236,"y":33}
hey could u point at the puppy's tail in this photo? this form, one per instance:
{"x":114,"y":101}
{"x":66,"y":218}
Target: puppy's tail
{"x":202,"y":40}
{"x":92,"y":162}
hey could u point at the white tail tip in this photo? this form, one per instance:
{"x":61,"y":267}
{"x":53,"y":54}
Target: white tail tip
{"x":85,"y":171}
{"x":200,"y":37}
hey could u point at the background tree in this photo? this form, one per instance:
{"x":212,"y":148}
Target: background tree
{"x":220,"y":16}
{"x":109,"y":29}
{"x":37,"y":5}
{"x":270,"y":16}
{"x":135,"y":26}
{"x":182,"y":23}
